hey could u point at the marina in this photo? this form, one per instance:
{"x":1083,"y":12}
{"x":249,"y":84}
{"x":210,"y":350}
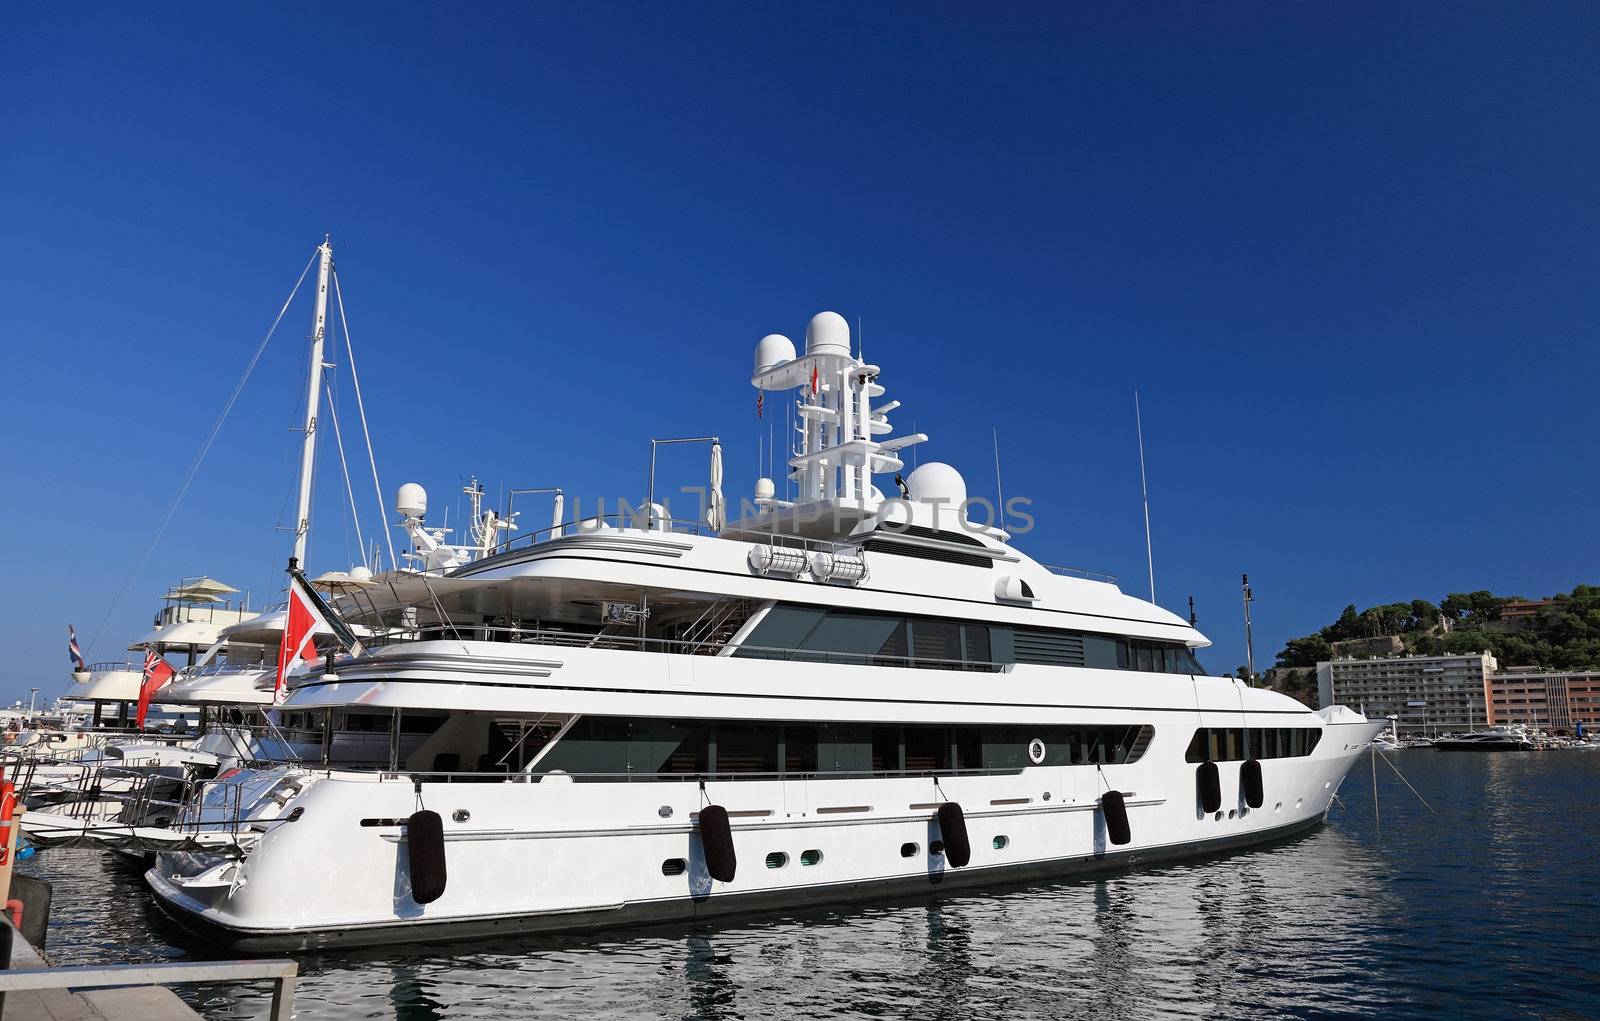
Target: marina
{"x":717,"y":512}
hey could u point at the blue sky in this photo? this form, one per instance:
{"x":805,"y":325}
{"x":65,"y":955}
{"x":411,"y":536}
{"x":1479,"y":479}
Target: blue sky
{"x":1345,"y":251}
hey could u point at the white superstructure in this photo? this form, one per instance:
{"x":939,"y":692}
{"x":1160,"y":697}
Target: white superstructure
{"x":839,"y":695}
{"x":194,"y":615}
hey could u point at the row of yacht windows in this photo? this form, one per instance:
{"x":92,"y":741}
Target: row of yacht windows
{"x":818,"y":634}
{"x":617,"y":747}
{"x":1235,"y":744}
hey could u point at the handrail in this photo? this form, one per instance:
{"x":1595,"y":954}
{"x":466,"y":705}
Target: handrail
{"x":281,"y":971}
{"x":526,"y":776}
{"x":1078,"y":572}
{"x":105,"y":665}
{"x":617,"y":642}
{"x":635,"y":521}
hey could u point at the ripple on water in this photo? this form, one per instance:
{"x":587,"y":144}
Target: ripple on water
{"x":1487,"y":909}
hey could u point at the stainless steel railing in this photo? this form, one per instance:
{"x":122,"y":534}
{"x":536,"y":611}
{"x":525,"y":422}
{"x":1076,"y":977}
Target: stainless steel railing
{"x":598,"y":640}
{"x":282,"y":972}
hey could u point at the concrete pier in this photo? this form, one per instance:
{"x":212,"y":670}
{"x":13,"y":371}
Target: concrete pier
{"x":137,"y":1003}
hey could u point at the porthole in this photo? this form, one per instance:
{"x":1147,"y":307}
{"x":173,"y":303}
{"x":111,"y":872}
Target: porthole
{"x":777,"y":860}
{"x":1036,"y":751}
{"x":810,"y":857}
{"x":937,"y":847}
{"x":1278,"y":807}
{"x":1232,"y":814}
{"x":1219,"y":817}
{"x":1001,"y":843}
{"x":1299,"y":801}
{"x":908,"y":850}
{"x":674,"y":867}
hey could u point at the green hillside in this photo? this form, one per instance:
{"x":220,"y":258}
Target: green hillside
{"x":1563,"y":635}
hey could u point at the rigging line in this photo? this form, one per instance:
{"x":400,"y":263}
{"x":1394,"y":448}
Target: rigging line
{"x":1403,"y":779}
{"x":338,"y":439}
{"x":194,"y":468}
{"x":355,"y":381}
{"x":1144,"y":491}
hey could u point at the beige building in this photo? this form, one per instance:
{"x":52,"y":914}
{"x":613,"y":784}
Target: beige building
{"x":1560,"y":702}
{"x":1425,"y":694}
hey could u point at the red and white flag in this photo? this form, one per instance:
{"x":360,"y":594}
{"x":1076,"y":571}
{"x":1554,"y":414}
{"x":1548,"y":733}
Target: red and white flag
{"x":157,"y":672}
{"x":307,"y":615}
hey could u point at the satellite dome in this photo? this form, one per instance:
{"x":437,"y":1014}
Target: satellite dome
{"x":772,"y":351}
{"x":360,"y":574}
{"x":828,"y":334}
{"x":937,"y":481}
{"x":411,"y":501}
{"x":765,"y":489}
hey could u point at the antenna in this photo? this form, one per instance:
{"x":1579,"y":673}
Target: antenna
{"x":1193,"y":620}
{"x":1144,"y":488}
{"x":999,"y":493}
{"x":1249,"y":649}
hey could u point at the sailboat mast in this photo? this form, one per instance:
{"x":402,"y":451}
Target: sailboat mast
{"x":308,"y":449}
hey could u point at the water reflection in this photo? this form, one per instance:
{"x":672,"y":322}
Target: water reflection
{"x":1354,"y":919}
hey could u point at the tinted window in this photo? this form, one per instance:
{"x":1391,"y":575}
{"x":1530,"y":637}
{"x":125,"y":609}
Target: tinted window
{"x":927,"y":749}
{"x":936,"y":643}
{"x":672,"y":747}
{"x":847,"y":748}
{"x":857,"y":634}
{"x":975,"y":637}
{"x":784,"y":627}
{"x":885,"y":749}
{"x":1100,"y":652}
{"x":969,"y":747}
{"x":747,"y":748}
{"x":799,"y":749}
{"x":1234,"y":744}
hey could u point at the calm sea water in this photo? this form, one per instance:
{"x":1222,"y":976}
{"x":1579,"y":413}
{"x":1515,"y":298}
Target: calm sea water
{"x":1489,"y":908}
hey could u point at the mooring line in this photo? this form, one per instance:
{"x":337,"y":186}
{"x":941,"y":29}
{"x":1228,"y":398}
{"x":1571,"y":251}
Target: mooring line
{"x":1403,"y":780}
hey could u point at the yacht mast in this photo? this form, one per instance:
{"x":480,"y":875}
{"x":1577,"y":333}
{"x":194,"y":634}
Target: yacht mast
{"x":309,"y":448}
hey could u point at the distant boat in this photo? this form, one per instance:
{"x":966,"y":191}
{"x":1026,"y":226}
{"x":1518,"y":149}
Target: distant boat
{"x":1500,"y":739}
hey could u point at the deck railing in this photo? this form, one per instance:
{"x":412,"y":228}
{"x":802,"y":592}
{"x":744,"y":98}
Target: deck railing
{"x":283,"y":974}
{"x":561,"y":638}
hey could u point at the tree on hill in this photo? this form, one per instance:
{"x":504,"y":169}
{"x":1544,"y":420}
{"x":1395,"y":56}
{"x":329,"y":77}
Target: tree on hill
{"x":1564,"y":635}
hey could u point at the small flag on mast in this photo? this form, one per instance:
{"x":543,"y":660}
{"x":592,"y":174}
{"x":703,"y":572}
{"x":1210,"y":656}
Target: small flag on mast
{"x":813,"y":380}
{"x":157,"y":672}
{"x":74,"y":652}
{"x":761,"y":397}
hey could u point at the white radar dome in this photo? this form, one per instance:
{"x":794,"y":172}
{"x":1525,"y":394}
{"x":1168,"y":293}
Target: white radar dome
{"x":772,"y":351}
{"x":765,"y":489}
{"x":360,"y":575}
{"x":936,"y":481}
{"x":411,"y":501}
{"x":828,"y":334}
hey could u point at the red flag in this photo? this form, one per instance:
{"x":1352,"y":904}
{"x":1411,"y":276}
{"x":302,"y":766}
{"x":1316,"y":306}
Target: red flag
{"x":157,"y":672}
{"x":813,"y":380}
{"x":760,"y":400}
{"x":298,"y":630}
{"x":308,"y":615}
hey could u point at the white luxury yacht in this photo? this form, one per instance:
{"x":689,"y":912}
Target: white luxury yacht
{"x":840,"y":695}
{"x":194,"y":615}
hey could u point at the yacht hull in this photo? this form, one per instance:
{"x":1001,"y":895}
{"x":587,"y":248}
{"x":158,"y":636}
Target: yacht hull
{"x":553,"y":857}
{"x":721,"y":905}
